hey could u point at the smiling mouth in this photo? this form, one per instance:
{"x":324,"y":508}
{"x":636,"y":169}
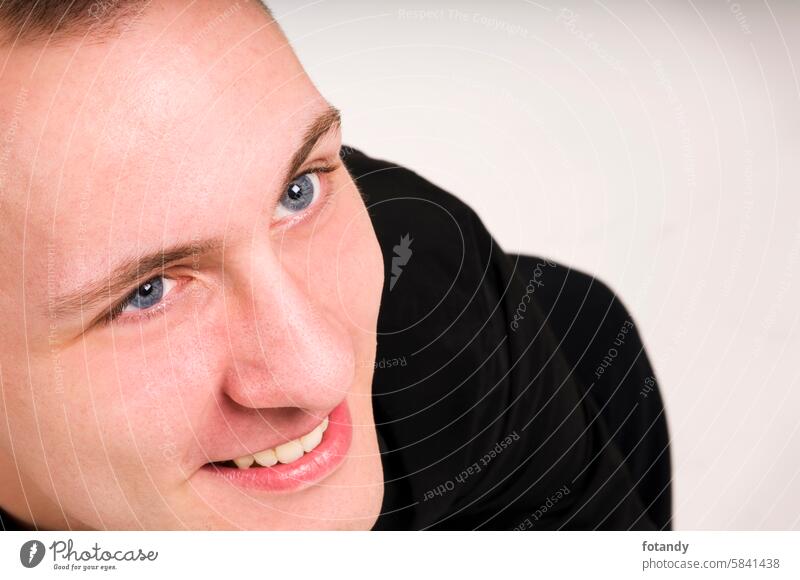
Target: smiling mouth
{"x":294,"y":465}
{"x":285,"y":453}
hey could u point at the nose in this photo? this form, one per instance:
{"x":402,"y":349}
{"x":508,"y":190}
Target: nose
{"x":287,"y":349}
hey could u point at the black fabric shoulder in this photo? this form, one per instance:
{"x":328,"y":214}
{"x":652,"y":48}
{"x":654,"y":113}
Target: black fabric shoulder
{"x":483,"y":424}
{"x":602,"y":343}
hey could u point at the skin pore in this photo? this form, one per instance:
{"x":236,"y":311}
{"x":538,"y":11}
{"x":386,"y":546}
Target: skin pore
{"x":165,"y":302}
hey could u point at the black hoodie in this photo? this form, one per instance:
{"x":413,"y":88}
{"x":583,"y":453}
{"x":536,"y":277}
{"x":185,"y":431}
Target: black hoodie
{"x":510,"y":392}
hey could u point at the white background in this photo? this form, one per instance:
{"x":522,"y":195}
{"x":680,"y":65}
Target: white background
{"x":654,"y":144}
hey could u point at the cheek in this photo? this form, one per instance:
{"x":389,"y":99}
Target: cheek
{"x":129,"y":410}
{"x":343,"y":266}
{"x":101,"y":438}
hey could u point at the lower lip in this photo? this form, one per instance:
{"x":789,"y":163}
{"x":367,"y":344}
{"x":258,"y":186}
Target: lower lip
{"x":311,"y":468}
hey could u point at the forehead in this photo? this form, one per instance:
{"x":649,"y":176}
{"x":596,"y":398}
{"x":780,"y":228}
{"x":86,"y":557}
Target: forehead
{"x":119,"y":143}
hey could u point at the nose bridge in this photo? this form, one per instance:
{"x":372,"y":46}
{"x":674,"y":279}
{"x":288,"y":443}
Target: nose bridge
{"x":287,"y":350}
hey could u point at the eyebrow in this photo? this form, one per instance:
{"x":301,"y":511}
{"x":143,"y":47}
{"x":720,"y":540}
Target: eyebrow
{"x":125,"y":275}
{"x":326,"y":122}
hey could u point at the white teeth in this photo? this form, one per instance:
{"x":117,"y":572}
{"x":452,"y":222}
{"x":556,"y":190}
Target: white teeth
{"x":287,"y":452}
{"x":266,"y":458}
{"x":244,"y":462}
{"x":310,"y":441}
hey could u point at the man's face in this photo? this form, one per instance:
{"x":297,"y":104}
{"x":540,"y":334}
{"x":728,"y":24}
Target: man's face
{"x":171,"y":298}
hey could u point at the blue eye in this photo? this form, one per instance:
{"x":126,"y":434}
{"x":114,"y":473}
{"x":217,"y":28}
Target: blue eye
{"x":299,"y":195}
{"x":148,"y":294}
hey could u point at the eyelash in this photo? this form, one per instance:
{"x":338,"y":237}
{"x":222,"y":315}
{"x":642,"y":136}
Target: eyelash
{"x":116,"y":311}
{"x":326,"y":199}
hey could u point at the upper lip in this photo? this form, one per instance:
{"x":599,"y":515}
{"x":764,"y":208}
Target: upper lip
{"x":276,"y":439}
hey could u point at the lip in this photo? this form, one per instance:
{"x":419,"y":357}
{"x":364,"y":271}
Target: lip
{"x":311,"y":468}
